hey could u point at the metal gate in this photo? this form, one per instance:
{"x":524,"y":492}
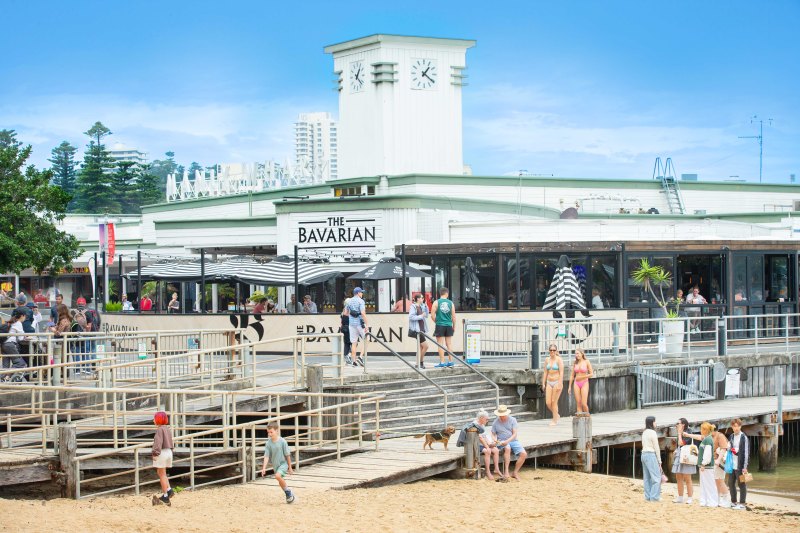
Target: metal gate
{"x":674,"y":384}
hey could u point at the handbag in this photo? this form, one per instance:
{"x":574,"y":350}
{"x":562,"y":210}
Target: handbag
{"x":745,"y":478}
{"x":729,"y":462}
{"x":689,"y":455}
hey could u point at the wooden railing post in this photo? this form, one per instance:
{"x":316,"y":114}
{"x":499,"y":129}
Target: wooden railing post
{"x":67,"y":450}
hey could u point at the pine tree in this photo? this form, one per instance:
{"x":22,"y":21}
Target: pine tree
{"x":161,"y":168}
{"x":64,"y":169}
{"x":124,"y":184}
{"x":148,"y":188}
{"x":94,"y":190}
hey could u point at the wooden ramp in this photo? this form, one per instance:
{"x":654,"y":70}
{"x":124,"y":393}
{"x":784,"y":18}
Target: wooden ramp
{"x":402,"y":460}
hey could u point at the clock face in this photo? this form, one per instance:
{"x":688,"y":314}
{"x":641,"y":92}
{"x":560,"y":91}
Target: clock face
{"x":424,"y":74}
{"x":358,"y":76}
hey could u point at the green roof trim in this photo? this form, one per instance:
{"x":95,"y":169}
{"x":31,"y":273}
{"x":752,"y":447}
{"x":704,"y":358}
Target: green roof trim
{"x":733,"y":217}
{"x":414,"y":201}
{"x":249,"y":222}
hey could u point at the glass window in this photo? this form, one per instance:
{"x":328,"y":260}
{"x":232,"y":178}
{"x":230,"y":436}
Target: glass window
{"x":777,"y":278}
{"x":717,"y":290}
{"x":604,"y":283}
{"x":582,"y":277}
{"x":756,"y":272}
{"x":524,"y":271}
{"x":740,"y":293}
{"x":545,"y":269}
{"x":487,"y":276}
{"x":439,"y":275}
{"x":636,"y":293}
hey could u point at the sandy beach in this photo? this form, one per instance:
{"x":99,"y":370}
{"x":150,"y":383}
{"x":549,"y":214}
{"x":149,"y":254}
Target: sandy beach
{"x":543,"y":499}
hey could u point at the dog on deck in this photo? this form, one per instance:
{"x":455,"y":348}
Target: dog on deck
{"x":442,"y":436}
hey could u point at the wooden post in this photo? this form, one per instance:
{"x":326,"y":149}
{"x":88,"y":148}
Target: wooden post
{"x":67,"y":449}
{"x":768,"y":446}
{"x":472,"y":458}
{"x":314,"y":375}
{"x":582,"y":431}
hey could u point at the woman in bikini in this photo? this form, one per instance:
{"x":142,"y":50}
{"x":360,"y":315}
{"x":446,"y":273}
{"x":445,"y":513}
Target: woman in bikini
{"x":580,"y":374}
{"x":553,"y":382}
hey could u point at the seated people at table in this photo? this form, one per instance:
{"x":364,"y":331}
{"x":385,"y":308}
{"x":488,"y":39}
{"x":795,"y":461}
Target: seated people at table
{"x":398,"y":305}
{"x":597,"y":301}
{"x":260,"y":307}
{"x":294,"y":306}
{"x":308,"y":305}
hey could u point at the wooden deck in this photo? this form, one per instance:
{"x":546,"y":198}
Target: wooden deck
{"x":402,"y":460}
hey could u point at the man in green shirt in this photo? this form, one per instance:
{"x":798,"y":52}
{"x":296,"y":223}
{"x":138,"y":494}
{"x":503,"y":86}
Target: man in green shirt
{"x":443,"y":314}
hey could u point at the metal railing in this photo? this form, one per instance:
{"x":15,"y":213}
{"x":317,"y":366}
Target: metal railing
{"x":609,"y":341}
{"x":471,"y":368}
{"x":441,"y":390}
{"x":230,"y":452}
{"x":671,"y":384}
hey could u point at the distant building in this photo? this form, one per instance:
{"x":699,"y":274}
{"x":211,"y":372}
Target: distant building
{"x":119,"y":152}
{"x":316,"y":145}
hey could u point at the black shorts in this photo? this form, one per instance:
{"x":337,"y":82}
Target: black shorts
{"x":412,"y":334}
{"x":443,"y":331}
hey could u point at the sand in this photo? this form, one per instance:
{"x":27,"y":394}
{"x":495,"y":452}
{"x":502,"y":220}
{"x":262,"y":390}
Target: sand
{"x":543,"y":500}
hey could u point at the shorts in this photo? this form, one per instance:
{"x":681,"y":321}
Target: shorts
{"x":282,"y":469}
{"x":443,"y":331}
{"x":719,"y":472}
{"x":164,"y":459}
{"x":516,"y":447}
{"x":356,"y":333}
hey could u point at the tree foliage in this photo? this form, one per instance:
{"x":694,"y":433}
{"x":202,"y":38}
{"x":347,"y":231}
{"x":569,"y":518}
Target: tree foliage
{"x":161,"y":168}
{"x":124,"y":185}
{"x":64,"y":168}
{"x":30,"y":208}
{"x":147,"y":188}
{"x":95,"y":193}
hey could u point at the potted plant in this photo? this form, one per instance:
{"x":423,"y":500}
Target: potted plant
{"x":653,"y":277}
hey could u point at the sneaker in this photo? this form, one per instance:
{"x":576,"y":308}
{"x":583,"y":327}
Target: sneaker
{"x":688,"y":501}
{"x":679,"y":499}
{"x":440,"y":365}
{"x":170,"y":493}
{"x":290,"y":496}
{"x":359,"y":361}
{"x":161,"y":499}
{"x":450,"y":364}
{"x":348,"y":360}
{"x":422,"y":366}
{"x":739,"y":507}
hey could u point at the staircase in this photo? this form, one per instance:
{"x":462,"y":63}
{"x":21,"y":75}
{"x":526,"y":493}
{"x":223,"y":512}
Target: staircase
{"x":413,"y":405}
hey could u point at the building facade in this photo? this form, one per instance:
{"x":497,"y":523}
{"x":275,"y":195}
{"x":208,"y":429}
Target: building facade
{"x":316,"y":145}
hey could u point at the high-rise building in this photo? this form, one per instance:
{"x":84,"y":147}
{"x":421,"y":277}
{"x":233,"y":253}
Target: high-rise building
{"x":119,"y":152}
{"x":316,"y":146}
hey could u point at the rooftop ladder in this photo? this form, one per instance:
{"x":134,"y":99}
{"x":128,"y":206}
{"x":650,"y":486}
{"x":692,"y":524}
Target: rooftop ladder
{"x":669,"y":184}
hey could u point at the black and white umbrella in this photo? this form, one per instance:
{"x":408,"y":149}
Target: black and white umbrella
{"x":471,"y":284}
{"x":565,"y":291}
{"x":181,"y":271}
{"x":388,"y":268}
{"x":281,"y":273}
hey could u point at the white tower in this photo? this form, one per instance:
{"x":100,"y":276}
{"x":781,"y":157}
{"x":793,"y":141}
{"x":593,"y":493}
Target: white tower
{"x":400,"y":105}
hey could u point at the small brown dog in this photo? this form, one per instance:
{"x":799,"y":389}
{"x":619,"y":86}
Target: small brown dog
{"x":442,"y":436}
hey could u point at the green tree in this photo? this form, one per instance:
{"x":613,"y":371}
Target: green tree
{"x":64,"y":168}
{"x":148,"y":190}
{"x":194,"y":167}
{"x":124,"y":184}
{"x":94,"y":192}
{"x":30,"y":208}
{"x":161,"y":168}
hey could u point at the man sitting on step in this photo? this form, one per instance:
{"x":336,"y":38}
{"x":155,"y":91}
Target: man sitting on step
{"x":505,"y":427}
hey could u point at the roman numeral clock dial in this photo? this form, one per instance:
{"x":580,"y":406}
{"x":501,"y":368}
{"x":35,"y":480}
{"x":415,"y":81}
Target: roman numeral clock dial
{"x":424,"y":74}
{"x":358,"y":76}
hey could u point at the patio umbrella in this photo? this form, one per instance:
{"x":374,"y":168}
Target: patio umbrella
{"x":388,"y":268}
{"x":181,"y":271}
{"x":565,"y":291}
{"x":280,"y":273}
{"x":471,"y":285}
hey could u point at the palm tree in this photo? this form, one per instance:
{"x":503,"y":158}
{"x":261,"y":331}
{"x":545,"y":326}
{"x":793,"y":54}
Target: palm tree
{"x":651,"y":277}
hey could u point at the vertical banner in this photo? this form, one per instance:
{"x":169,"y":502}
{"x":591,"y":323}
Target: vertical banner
{"x":473,"y":347}
{"x":102,"y":238}
{"x":111,"y":248}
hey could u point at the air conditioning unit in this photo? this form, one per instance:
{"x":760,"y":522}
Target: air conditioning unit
{"x":796,"y":206}
{"x":699,"y":211}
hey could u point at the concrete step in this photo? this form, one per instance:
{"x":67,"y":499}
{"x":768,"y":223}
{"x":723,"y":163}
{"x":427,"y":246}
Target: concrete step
{"x":473,"y":403}
{"x":431,"y":390}
{"x":441,"y":378}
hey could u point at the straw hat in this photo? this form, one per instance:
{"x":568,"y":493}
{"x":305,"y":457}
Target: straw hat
{"x":502,"y":411}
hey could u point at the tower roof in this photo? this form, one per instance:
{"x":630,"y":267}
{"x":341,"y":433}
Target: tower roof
{"x":400,"y":39}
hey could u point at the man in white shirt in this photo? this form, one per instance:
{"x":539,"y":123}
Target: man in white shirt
{"x":695,"y":298}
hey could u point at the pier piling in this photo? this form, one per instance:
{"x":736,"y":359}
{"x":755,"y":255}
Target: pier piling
{"x":582,"y":432}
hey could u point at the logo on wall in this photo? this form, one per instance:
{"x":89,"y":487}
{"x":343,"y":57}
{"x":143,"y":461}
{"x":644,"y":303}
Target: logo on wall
{"x":338,"y":232}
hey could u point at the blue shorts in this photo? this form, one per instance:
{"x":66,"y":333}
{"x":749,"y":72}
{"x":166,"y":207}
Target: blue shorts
{"x":516,"y":447}
{"x":282,"y":469}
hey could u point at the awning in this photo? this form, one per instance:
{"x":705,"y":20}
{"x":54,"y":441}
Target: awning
{"x":388,"y":268}
{"x":280,"y":274}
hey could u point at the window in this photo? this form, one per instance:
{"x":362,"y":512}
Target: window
{"x":776,"y":282}
{"x":545,"y":269}
{"x":756,"y":284}
{"x":604,"y":282}
{"x":371,"y":190}
{"x":524,"y":271}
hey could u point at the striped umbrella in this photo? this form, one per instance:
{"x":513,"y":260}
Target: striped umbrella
{"x":280,"y":274}
{"x":182,"y":271}
{"x":565,"y":291}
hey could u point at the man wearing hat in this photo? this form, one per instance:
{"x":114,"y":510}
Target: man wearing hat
{"x":505,"y":427}
{"x":357,"y":312}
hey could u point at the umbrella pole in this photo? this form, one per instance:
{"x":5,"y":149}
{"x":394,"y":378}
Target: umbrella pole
{"x":202,"y":280}
{"x":405,"y":279}
{"x":139,"y":280}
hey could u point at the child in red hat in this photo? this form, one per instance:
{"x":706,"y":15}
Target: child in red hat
{"x":162,"y":456}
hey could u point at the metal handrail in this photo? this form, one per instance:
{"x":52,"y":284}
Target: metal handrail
{"x":369,"y":334}
{"x":469,"y":366}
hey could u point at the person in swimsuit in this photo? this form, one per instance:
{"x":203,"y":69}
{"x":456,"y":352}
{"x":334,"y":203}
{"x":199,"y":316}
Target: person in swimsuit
{"x":580,"y":374}
{"x":553,"y":382}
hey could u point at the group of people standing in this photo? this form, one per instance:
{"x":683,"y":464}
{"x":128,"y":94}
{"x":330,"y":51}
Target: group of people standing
{"x":553,"y":381}
{"x":716,"y":457}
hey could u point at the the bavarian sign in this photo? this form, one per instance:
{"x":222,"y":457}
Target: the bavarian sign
{"x":344,"y":231}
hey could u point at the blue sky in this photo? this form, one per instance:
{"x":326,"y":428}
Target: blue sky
{"x":570,"y":88}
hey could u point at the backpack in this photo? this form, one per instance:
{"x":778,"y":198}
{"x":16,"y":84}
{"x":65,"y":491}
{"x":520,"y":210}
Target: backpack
{"x":93,"y":320}
{"x":81,"y":321}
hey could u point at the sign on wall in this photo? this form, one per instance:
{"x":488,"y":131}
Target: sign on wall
{"x":345,"y":231}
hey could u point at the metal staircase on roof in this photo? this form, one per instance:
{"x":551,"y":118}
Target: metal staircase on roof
{"x":669,"y":185}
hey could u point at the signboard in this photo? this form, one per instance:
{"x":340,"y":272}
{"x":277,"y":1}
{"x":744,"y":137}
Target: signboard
{"x":142,"y":350}
{"x":732,"y":382}
{"x":662,"y":344}
{"x":345,"y":232}
{"x":472,"y":350}
{"x":100,"y":351}
{"x":193,"y":344}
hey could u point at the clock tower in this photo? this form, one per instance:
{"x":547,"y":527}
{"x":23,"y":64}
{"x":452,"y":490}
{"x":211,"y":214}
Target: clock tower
{"x":399,"y":105}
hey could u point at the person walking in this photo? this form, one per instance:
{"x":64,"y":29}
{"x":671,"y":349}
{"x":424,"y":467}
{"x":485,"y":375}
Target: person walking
{"x":553,"y":381}
{"x":162,"y":456}
{"x":357,"y":324}
{"x":651,"y":461}
{"x":276,"y":453}
{"x":344,"y":329}
{"x":417,"y":322}
{"x":683,"y":471}
{"x":579,"y":375}
{"x":443,"y":314}
{"x":708,"y":489}
{"x":740,"y":448}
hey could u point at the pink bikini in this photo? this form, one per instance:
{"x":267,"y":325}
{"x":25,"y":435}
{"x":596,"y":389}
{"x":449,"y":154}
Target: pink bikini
{"x":581,"y":369}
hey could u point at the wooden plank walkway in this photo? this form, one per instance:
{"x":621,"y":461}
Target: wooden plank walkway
{"x":402,"y":460}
